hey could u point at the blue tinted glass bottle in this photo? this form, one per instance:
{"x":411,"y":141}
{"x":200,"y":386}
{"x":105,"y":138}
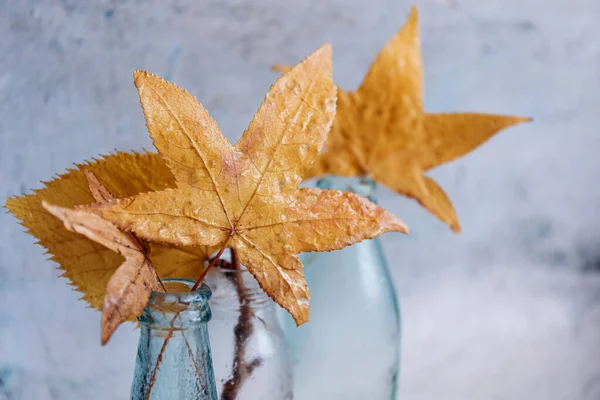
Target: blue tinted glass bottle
{"x":349,"y":350}
{"x":174,"y":355}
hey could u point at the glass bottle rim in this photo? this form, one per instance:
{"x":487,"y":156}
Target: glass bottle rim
{"x":201,"y":294}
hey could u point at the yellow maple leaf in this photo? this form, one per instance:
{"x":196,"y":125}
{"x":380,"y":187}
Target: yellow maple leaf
{"x":246,"y":196}
{"x":382,"y":131}
{"x":87,"y":264}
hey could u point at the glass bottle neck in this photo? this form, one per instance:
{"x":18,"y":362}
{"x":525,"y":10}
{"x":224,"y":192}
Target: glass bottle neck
{"x":174,"y":356}
{"x":362,"y":185}
{"x":178,"y":308}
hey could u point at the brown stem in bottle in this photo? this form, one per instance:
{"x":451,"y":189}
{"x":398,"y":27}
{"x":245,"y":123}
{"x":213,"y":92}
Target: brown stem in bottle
{"x":160,"y":357}
{"x":212,"y":264}
{"x":242,"y":332}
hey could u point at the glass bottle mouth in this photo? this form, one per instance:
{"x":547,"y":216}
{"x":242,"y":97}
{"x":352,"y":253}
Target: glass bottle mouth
{"x":179,"y":291}
{"x":179,"y":307}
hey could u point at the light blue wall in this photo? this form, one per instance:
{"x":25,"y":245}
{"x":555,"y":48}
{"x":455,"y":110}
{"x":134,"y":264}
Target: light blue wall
{"x":508,"y":310}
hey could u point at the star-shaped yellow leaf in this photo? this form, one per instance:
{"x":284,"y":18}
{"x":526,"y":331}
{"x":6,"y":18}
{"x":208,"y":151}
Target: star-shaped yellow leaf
{"x":246,"y":196}
{"x":87,"y":264}
{"x":381,"y":130}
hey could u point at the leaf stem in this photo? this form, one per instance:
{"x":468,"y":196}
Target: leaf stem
{"x":192,"y":356}
{"x":160,"y":356}
{"x":241,"y":370}
{"x":160,"y":281}
{"x":212,"y":264}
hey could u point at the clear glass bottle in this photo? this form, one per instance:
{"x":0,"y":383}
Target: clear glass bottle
{"x":350,"y":348}
{"x":174,"y":355}
{"x":251,"y":359}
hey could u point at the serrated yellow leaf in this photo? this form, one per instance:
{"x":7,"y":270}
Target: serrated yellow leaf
{"x":89,"y":265}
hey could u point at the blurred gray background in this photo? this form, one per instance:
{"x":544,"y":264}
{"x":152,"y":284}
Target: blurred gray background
{"x":508,"y":310}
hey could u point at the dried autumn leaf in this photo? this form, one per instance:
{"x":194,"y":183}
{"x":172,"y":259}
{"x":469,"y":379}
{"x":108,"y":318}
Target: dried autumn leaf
{"x":382,"y":131}
{"x":87,"y":264}
{"x":128,"y":290}
{"x":246,"y":196}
